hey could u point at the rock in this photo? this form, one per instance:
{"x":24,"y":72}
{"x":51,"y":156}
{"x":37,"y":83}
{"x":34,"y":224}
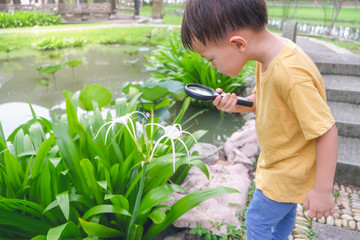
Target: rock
{"x":242,"y":144}
{"x":235,"y":173}
{"x":338,"y":222}
{"x":344,"y":223}
{"x":215,"y":209}
{"x":358,"y":226}
{"x":357,"y":218}
{"x":322,"y":220}
{"x":301,"y":219}
{"x":330,"y":221}
{"x":336,"y":215}
{"x":208,"y":153}
{"x":352,"y":225}
{"x":347,"y":217}
{"x":178,"y":236}
{"x":301,"y":228}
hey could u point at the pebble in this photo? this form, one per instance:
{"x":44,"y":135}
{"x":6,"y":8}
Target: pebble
{"x":330,"y":220}
{"x":347,"y":213}
{"x":344,"y":223}
{"x":347,"y":217}
{"x":338,"y":222}
{"x":352,"y":225}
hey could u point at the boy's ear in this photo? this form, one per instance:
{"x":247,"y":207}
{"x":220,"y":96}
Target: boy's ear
{"x":238,"y":42}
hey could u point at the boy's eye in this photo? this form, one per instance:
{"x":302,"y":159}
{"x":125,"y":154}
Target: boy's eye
{"x":210,"y":60}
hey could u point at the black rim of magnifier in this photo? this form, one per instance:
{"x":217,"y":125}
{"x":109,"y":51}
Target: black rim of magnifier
{"x":197,"y":96}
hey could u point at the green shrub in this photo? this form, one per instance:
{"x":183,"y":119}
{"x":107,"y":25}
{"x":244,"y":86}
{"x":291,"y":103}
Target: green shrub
{"x":94,"y":174}
{"x":28,"y":19}
{"x":52,"y":43}
{"x":170,"y":61}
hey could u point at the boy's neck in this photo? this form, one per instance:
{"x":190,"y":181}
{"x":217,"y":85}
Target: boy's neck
{"x":266,"y":47}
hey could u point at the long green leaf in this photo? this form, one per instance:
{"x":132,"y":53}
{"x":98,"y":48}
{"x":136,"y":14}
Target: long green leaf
{"x":136,"y":232}
{"x":41,"y":157}
{"x":89,"y":174}
{"x":105,"y":209}
{"x":72,"y":160}
{"x":64,"y":231}
{"x":98,"y":230}
{"x":64,"y":203}
{"x":184,"y":205}
{"x":23,"y":223}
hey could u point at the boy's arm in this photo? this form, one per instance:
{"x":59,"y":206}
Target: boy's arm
{"x":320,"y":200}
{"x":228,"y":103}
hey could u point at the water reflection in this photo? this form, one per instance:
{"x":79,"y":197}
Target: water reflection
{"x":109,"y":66}
{"x":338,"y":31}
{"x":16,"y":113}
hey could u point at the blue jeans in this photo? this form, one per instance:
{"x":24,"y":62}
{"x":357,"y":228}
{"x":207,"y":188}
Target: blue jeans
{"x":269,"y":220}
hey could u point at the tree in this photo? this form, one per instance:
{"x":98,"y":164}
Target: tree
{"x":157,"y":9}
{"x":337,"y":4}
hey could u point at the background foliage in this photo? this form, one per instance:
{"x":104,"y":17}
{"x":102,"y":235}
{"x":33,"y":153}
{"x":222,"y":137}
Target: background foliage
{"x":28,"y":19}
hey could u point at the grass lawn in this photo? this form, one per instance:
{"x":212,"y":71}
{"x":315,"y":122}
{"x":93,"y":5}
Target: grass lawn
{"x":137,"y":35}
{"x":128,"y":35}
{"x":345,"y":14}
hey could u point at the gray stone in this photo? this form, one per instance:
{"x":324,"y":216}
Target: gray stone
{"x":242,"y":144}
{"x":208,"y":153}
{"x":289,"y":30}
{"x":326,"y":232}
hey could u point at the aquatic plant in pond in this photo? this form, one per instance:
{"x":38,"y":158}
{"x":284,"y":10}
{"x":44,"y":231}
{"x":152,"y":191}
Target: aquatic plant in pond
{"x":51,"y":69}
{"x":73,"y":64}
{"x":59,"y":181}
{"x":7,"y":50}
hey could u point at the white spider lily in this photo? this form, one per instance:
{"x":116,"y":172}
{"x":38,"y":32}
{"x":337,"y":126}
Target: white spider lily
{"x":172,"y":133}
{"x":124,"y":121}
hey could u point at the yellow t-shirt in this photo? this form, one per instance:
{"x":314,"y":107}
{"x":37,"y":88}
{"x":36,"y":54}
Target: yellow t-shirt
{"x":291,"y":111}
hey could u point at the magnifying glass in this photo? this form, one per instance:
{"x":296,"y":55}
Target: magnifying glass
{"x":203,"y":93}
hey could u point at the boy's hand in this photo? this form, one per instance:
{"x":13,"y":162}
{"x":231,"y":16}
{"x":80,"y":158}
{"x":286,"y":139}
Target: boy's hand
{"x":226,"y":103}
{"x":320,"y":203}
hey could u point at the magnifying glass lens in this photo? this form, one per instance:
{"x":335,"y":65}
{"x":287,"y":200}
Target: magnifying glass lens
{"x":201,"y":91}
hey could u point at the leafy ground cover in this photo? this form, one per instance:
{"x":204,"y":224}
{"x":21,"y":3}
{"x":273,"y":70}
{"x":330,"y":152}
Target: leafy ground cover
{"x":102,"y":173}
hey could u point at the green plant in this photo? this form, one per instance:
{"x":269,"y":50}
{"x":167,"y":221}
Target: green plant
{"x":53,"y":43}
{"x":73,"y":178}
{"x":155,"y":96}
{"x":170,"y":61}
{"x":232,"y":231}
{"x":28,"y":19}
{"x":73,"y":64}
{"x":51,"y":69}
{"x":7,"y":50}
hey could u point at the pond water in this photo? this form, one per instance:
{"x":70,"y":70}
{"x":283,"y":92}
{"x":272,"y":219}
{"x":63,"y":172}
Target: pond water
{"x":313,"y":29}
{"x":109,"y":66}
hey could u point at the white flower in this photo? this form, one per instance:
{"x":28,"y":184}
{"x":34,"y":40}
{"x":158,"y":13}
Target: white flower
{"x":172,"y":133}
{"x":124,"y":121}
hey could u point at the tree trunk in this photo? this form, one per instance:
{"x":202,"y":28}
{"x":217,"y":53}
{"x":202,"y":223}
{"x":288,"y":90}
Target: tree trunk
{"x":337,"y":5}
{"x":157,"y":9}
{"x":136,"y":7}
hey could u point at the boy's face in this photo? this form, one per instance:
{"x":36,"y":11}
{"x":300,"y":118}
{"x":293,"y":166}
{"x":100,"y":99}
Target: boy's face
{"x":225,"y":57}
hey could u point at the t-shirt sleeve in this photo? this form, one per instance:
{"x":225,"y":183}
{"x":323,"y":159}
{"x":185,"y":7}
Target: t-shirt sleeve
{"x":311,"y":110}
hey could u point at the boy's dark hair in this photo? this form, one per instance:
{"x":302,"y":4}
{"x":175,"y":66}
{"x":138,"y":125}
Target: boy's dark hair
{"x":212,"y":20}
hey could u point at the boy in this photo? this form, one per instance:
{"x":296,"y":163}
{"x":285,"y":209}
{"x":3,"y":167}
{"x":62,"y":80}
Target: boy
{"x":296,"y":132}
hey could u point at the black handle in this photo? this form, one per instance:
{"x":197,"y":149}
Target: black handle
{"x":244,"y":102}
